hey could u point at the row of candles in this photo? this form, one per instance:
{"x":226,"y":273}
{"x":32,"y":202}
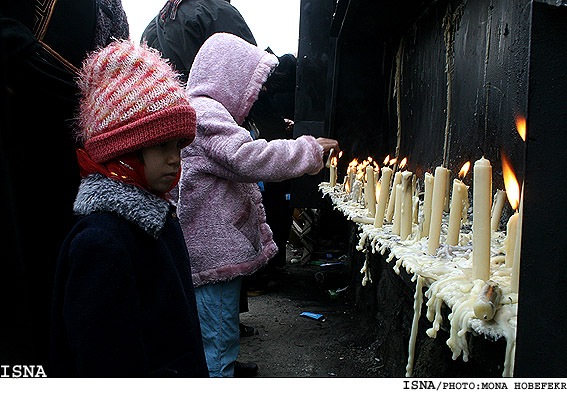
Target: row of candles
{"x":400,"y":206}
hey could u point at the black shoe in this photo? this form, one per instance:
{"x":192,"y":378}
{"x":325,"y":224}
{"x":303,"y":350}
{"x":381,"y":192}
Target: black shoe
{"x":245,"y":331}
{"x":245,"y":370}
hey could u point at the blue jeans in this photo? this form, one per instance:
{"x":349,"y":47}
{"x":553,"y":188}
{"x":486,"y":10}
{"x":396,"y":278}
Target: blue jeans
{"x":218,"y":307}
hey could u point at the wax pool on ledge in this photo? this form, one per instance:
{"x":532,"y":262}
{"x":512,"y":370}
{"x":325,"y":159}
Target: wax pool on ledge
{"x":447,"y":275}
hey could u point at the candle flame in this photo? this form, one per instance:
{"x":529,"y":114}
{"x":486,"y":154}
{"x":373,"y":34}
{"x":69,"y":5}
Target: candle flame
{"x":403,"y":162}
{"x":393,"y":161}
{"x":386,"y":160}
{"x":376,"y":167}
{"x":334,"y":161}
{"x":353,"y":164}
{"x":464,"y":169}
{"x":510,"y":183}
{"x":521,"y":126}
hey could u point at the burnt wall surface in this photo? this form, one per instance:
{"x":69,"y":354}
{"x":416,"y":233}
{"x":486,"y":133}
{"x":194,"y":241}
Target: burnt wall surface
{"x":441,"y":89}
{"x":441,"y":83}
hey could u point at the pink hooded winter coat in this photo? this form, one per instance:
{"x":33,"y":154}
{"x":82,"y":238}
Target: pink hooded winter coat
{"x":220,"y":206}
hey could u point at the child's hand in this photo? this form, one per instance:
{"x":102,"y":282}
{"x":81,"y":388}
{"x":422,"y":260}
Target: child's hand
{"x":327,"y":144}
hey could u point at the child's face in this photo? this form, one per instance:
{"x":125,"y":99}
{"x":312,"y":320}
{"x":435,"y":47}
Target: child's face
{"x":161,"y":164}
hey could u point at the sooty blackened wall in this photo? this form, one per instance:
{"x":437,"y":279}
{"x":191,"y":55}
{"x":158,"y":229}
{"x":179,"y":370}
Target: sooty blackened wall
{"x":438,"y":83}
{"x":441,"y":83}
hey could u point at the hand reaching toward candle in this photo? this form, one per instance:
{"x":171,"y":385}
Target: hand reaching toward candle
{"x":327,"y":144}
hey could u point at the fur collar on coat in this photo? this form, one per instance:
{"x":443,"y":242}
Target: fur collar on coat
{"x":98,"y":193}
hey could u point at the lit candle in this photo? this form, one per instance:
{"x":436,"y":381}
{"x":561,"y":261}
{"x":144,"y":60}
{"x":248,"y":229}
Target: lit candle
{"x":333,"y":171}
{"x":397,"y":210}
{"x":351,"y":177}
{"x":392,"y":201}
{"x":331,"y":152}
{"x":383,"y":198}
{"x":406,"y":205}
{"x":513,"y":193}
{"x":371,"y":190}
{"x":482,"y":204}
{"x":510,"y":241}
{"x":499,"y":200}
{"x":437,"y":205}
{"x":427,"y":204}
{"x":515,"y":280}
{"x":456,"y":212}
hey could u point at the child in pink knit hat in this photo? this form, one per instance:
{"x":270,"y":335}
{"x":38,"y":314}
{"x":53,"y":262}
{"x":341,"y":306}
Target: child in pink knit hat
{"x":124,"y":303}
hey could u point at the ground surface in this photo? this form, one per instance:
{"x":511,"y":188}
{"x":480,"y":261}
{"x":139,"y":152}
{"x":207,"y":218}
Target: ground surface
{"x":288,"y":345}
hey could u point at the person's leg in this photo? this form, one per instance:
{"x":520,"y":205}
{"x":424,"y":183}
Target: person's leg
{"x":218,"y":307}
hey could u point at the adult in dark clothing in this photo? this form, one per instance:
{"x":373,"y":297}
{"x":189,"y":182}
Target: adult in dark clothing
{"x":272,"y":114}
{"x":182,"y":26}
{"x":42,"y":44}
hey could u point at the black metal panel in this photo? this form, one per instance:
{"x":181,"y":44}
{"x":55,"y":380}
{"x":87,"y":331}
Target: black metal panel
{"x":542,"y":315}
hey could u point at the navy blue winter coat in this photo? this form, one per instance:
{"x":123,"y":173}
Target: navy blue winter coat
{"x":124,"y":303}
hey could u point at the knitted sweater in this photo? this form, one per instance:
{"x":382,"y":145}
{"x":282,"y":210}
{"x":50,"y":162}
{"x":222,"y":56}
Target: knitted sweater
{"x":220,"y":206}
{"x":124,"y":304}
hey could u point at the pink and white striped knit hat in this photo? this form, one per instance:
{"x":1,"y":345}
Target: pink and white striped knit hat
{"x":130,"y":99}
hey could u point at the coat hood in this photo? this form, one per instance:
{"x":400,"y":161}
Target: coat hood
{"x":230,"y":71}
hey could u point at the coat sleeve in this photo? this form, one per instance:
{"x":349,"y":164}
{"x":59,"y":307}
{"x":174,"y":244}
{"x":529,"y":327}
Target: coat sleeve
{"x":102,"y":308}
{"x":235,"y":156}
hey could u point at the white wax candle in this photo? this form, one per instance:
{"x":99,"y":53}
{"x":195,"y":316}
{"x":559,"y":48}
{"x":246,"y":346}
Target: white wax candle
{"x":496,"y":214}
{"x":383,"y":198}
{"x":415,"y":200}
{"x":392,"y":202}
{"x":333,"y":176}
{"x":418,"y":301}
{"x":466,"y":207}
{"x":482,"y":204}
{"x":427,"y":204}
{"x":397,"y":210}
{"x":356,"y":191}
{"x":351,"y":178}
{"x":406,"y":205}
{"x":437,"y":205}
{"x":456,"y":212}
{"x":510,"y":241}
{"x":515,"y":280}
{"x":371,"y":194}
{"x":447,"y":191}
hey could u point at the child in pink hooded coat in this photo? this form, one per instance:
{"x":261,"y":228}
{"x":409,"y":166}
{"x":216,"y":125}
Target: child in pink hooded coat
{"x":220,"y":206}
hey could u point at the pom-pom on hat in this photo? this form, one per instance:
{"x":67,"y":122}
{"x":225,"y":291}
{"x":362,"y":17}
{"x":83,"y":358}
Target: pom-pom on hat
{"x":130,"y":99}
